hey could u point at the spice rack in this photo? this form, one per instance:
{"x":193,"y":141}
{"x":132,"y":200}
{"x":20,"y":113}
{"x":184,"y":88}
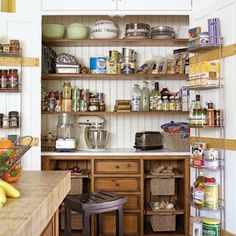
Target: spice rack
{"x":208,"y":211}
{"x":10,"y":92}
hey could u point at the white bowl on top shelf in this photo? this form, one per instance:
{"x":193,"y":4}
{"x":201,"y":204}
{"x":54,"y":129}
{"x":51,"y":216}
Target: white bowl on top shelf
{"x":104,"y":29}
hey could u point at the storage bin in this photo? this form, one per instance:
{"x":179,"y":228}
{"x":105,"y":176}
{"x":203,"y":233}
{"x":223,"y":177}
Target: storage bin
{"x":76,"y":184}
{"x":176,"y":142}
{"x":162,"y":186}
{"x":76,"y":220}
{"x":163,"y":222}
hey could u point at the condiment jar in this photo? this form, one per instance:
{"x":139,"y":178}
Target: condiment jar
{"x":13,"y":81}
{"x":218,"y":118}
{"x":172,"y":104}
{"x":5,"y":122}
{"x":14,"y":121}
{"x":159,"y":106}
{"x":4,"y":79}
{"x":210,"y":115}
{"x":166,"y":104}
{"x":178,"y":104}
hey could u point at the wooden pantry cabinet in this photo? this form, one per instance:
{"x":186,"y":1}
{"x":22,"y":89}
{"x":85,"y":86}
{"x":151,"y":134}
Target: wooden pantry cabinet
{"x":129,"y":176}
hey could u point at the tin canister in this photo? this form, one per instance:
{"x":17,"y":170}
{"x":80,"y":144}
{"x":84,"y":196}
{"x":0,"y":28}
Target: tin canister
{"x":83,"y":105}
{"x":211,"y":227}
{"x":211,"y":195}
{"x":66,"y":105}
{"x":74,"y":106}
{"x":98,"y":65}
{"x":75,"y":93}
{"x":211,"y":158}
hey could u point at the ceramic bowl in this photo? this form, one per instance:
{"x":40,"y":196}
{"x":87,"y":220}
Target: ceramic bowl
{"x":104,"y":30}
{"x":53,"y":31}
{"x":77,"y":31}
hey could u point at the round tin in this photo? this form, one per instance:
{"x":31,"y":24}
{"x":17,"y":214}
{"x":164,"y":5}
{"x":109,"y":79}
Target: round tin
{"x":211,"y":195}
{"x":211,"y":227}
{"x":211,"y":158}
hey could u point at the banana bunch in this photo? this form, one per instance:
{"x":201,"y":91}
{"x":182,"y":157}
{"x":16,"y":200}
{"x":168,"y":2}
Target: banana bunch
{"x":7,"y":190}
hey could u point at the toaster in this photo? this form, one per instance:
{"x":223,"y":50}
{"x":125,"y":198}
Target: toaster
{"x":148,"y":140}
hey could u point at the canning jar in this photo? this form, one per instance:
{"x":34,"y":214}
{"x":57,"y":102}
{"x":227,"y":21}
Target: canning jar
{"x":67,"y":90}
{"x":14,"y":121}
{"x":13,"y":80}
{"x":5,"y":122}
{"x":172,"y":104}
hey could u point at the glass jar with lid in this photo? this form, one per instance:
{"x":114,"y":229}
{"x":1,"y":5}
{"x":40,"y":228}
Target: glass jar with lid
{"x":14,"y":120}
{"x":172,"y":104}
{"x":178,"y":104}
{"x":4,"y":80}
{"x":166,"y":104}
{"x":66,"y":90}
{"x":159,"y":106}
{"x":13,"y":79}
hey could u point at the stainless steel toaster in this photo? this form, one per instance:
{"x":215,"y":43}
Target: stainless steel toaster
{"x":148,"y":140}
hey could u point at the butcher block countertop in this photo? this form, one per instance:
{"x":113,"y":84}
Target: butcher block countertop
{"x":41,"y":194}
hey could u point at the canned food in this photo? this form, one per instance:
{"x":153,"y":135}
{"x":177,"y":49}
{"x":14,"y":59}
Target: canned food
{"x":211,"y":195}
{"x":74,"y":105}
{"x":198,"y":149}
{"x":211,"y":158}
{"x":83,"y":105}
{"x":75,"y":93}
{"x":66,"y":105}
{"x":211,"y":227}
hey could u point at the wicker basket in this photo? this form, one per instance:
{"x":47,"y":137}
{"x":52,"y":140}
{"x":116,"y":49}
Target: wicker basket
{"x":76,"y":220}
{"x":163,"y":222}
{"x":161,"y":186}
{"x":76,"y":184}
{"x":177,"y":142}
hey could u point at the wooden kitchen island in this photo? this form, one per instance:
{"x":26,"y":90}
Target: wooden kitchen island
{"x":125,"y":172}
{"x":36,"y":211}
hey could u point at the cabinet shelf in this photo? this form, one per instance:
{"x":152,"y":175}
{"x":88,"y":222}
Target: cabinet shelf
{"x":119,"y":113}
{"x":183,"y":77}
{"x":9,"y":91}
{"x":203,"y":49}
{"x":110,"y":42}
{"x":203,"y":87}
{"x":207,"y":168}
{"x":205,"y":126}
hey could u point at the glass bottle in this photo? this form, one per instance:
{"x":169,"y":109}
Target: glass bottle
{"x":191,"y":113}
{"x":178,"y":104}
{"x":159,"y":104}
{"x":210,"y":115}
{"x":136,"y":98}
{"x":145,"y":97}
{"x":154,"y":96}
{"x":198,"y":108}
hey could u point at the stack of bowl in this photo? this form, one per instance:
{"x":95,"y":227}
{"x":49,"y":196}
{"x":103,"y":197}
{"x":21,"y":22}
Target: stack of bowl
{"x":162,"y":32}
{"x":137,"y":30}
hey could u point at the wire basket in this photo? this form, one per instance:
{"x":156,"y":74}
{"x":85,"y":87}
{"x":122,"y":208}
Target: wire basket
{"x":10,"y":156}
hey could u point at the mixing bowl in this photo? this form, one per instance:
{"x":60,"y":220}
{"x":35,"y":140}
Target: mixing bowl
{"x":77,"y":31}
{"x":53,"y":31}
{"x":104,"y":30}
{"x":96,"y":138}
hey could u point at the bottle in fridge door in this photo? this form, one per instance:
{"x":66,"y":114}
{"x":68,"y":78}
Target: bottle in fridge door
{"x":136,"y":98}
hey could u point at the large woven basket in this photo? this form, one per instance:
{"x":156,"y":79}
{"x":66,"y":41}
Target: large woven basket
{"x":161,"y":186}
{"x":163,"y":222}
{"x":177,"y":142}
{"x":76,"y":184}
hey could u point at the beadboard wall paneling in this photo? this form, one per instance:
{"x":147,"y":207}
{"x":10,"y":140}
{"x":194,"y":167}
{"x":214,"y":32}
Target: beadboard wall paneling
{"x":122,"y":128}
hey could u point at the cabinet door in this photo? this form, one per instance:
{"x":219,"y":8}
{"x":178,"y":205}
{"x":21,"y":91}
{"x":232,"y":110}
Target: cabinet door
{"x":78,"y":5}
{"x":154,"y":5}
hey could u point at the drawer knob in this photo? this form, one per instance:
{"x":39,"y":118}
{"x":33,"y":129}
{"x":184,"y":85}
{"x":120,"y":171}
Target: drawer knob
{"x":117,"y":185}
{"x":117,"y":167}
{"x":129,"y":165}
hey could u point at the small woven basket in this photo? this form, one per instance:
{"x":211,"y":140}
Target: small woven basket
{"x":163,"y":222}
{"x":161,"y":186}
{"x":177,"y":142}
{"x":76,"y":184}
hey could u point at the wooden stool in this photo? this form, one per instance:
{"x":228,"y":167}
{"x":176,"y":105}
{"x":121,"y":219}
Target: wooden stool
{"x":94,"y":203}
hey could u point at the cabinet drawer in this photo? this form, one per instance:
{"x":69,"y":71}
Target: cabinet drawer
{"x":133,"y":203}
{"x":117,"y":166}
{"x":117,"y":184}
{"x":131,"y":223}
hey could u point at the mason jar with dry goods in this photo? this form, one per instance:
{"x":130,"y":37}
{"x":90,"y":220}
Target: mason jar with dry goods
{"x":14,"y":119}
{"x":13,"y":79}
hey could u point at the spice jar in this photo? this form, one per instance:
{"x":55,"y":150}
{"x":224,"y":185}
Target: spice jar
{"x":1,"y":120}
{"x":3,"y":80}
{"x":210,"y":115}
{"x":218,"y":118}
{"x":159,"y":106}
{"x":102,"y":106}
{"x":14,"y":121}
{"x":178,"y":104}
{"x":5,"y":122}
{"x":13,"y":81}
{"x":166,"y":104}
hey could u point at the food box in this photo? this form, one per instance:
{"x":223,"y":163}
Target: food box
{"x":67,"y":69}
{"x":98,"y":65}
{"x":210,"y":69}
{"x":194,"y":33}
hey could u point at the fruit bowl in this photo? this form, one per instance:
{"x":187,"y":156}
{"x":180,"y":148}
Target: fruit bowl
{"x":11,"y":154}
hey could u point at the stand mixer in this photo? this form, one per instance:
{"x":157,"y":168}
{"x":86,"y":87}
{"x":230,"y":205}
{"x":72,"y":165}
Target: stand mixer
{"x":92,"y":136}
